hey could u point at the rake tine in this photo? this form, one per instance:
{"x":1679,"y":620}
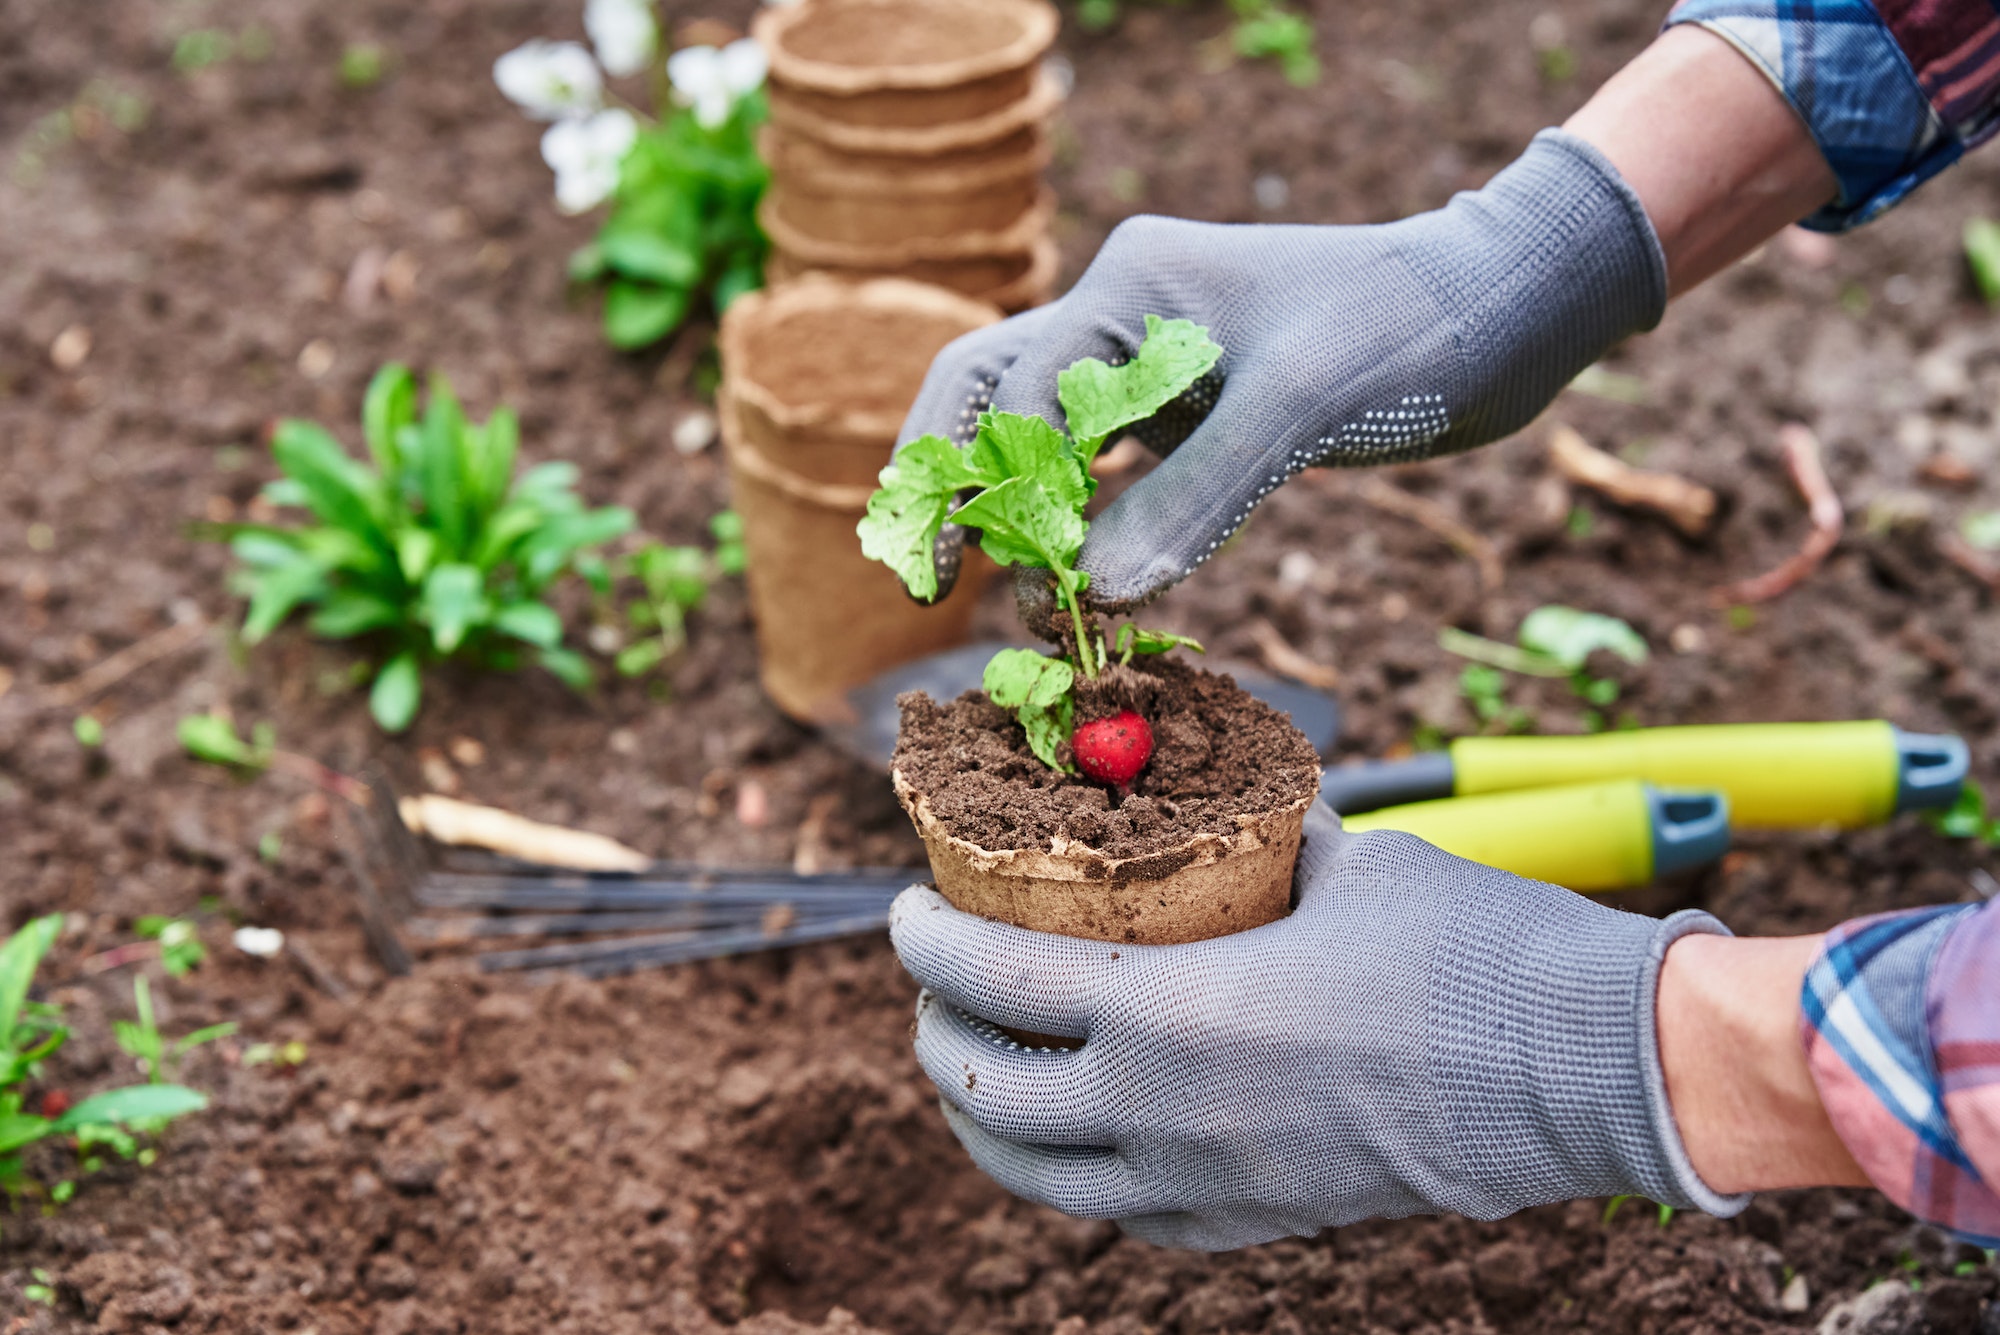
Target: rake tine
{"x":678,"y":948}
{"x":550,"y":898}
{"x":446,"y":931}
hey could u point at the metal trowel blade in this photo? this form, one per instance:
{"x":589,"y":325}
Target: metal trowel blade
{"x":946,"y":676}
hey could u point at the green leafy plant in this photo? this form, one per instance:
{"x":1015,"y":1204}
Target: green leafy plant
{"x":181,"y":950}
{"x":675,"y":581}
{"x":30,"y":1032}
{"x":434,"y":549}
{"x":1264,"y":29}
{"x":1485,"y":690}
{"x":683,"y":224}
{"x":1032,"y":482}
{"x":1967,"y":818}
{"x":1982,"y":256}
{"x":141,"y":1038}
{"x":1553,"y":641}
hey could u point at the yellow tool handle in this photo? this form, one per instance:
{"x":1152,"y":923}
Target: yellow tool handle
{"x":1593,"y":836}
{"x":1774,"y":774}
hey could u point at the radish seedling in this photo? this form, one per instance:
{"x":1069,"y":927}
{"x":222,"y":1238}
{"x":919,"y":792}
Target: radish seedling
{"x":143,"y":1042}
{"x":435,"y":549}
{"x":181,"y":949}
{"x":1032,"y":482}
{"x":31,"y":1032}
{"x":675,"y":581}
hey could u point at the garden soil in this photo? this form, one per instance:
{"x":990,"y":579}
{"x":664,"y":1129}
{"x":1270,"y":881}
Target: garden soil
{"x":749,"y":1144}
{"x":1218,"y":754}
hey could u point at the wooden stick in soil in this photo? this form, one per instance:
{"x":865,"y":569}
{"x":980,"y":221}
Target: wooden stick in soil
{"x":1688,"y":505}
{"x":1422,"y":510}
{"x":1802,"y":461}
{"x":108,"y":672}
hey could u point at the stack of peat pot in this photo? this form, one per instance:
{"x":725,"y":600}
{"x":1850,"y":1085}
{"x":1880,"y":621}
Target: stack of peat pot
{"x":817,"y":376}
{"x":908,"y":138}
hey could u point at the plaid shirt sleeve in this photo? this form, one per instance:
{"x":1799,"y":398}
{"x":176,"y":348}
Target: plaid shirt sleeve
{"x":1893,"y":91}
{"x":1901,"y":1026}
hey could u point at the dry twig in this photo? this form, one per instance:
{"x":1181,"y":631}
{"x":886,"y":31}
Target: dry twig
{"x":1689,"y":505}
{"x":1802,"y":461}
{"x":108,"y":672}
{"x":1284,"y":659}
{"x":1419,"y":509}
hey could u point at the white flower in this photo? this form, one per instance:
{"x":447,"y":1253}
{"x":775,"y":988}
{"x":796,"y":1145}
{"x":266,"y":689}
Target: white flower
{"x":550,"y":80}
{"x":585,"y":153}
{"x":263,"y":942}
{"x":711,"y":80}
{"x":624,"y":33}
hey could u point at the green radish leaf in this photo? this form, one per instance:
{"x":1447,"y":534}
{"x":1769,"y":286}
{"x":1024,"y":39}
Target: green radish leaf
{"x":650,"y":258}
{"x":397,"y":692}
{"x":1570,"y":636}
{"x":1022,"y":524}
{"x":1037,"y":688}
{"x":340,"y":490}
{"x":1099,"y":398}
{"x":454,"y":601}
{"x":19,"y":958}
{"x":1132,"y":640}
{"x":132,"y":1104}
{"x":918,"y":489}
{"x":535,"y":623}
{"x":1011,"y":446}
{"x":389,"y":406}
{"x":637,"y":315}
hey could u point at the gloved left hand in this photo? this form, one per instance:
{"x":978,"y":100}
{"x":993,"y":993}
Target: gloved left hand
{"x":1422,"y":1034}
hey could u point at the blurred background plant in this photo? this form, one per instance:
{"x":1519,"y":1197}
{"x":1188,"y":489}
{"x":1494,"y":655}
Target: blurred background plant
{"x":1263,"y":30}
{"x":435,"y":549}
{"x":683,"y":182}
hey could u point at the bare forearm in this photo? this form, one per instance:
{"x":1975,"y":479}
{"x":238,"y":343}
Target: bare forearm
{"x":1713,"y":151}
{"x":1736,"y":1071}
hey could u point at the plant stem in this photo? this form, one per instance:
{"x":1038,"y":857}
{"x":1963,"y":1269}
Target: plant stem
{"x":1077,"y":631}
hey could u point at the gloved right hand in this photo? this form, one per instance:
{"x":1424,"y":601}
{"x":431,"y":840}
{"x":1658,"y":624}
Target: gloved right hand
{"x":1341,"y":346}
{"x":1422,"y":1034}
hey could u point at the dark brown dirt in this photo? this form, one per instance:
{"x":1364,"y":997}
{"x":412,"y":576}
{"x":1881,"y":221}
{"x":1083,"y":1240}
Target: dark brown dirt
{"x":1217,"y":754}
{"x":679,"y":1150}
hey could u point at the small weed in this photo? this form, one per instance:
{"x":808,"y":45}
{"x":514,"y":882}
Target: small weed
{"x":1267,"y":30}
{"x":1485,"y":689}
{"x":141,"y":1038}
{"x":43,"y":1290}
{"x":89,"y":732}
{"x":675,"y":581}
{"x":363,"y":65}
{"x":1981,"y":530}
{"x":1741,"y":616}
{"x":1982,"y":256}
{"x":181,"y":950}
{"x":283,"y":1056}
{"x":270,"y":847}
{"x":1966,"y":818}
{"x":1581,"y":523}
{"x":31,"y":1032}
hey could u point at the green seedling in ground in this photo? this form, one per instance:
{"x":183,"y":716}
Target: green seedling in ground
{"x":284,"y":1056}
{"x":1966,"y":817}
{"x":1981,"y":530}
{"x":89,"y":732}
{"x":1553,"y":641}
{"x":181,"y":950}
{"x":212,"y":738}
{"x":675,"y":581}
{"x":141,"y":1038}
{"x":1032,"y":482}
{"x":1263,"y":30}
{"x":434,"y":549}
{"x":31,"y":1032}
{"x":1982,"y":256}
{"x":362,"y":65}
{"x":1485,"y":690}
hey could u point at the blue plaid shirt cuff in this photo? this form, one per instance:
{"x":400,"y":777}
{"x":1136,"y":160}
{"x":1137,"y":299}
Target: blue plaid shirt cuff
{"x":1841,"y":68}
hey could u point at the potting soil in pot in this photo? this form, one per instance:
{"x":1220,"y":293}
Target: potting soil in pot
{"x":1218,"y":754}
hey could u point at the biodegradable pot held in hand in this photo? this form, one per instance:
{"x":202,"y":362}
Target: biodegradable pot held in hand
{"x":1200,"y":844}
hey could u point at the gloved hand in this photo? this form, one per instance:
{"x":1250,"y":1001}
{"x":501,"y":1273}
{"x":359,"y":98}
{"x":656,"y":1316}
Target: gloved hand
{"x":1341,"y":345}
{"x":1422,"y":1034}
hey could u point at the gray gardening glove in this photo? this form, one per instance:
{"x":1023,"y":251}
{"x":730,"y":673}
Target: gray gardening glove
{"x":1341,"y":345}
{"x":1422,"y":1034}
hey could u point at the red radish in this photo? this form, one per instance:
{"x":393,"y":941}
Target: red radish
{"x":1113,"y":750}
{"x":56,"y":1102}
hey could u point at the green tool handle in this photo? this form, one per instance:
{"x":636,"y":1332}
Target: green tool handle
{"x":1775,"y":775}
{"x":1593,"y":836}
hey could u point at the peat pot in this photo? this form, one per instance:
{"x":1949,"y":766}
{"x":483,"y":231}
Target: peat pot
{"x":1012,"y":281}
{"x":1210,"y":884}
{"x":866,"y":199}
{"x":862,"y":73}
{"x":817,"y":376}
